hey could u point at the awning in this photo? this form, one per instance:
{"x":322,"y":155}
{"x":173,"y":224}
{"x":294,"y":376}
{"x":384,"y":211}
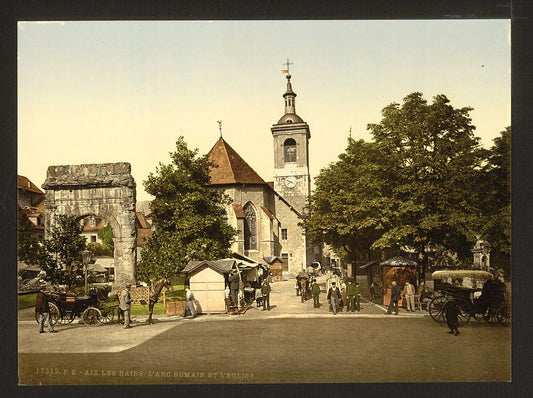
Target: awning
{"x":368,"y":265}
{"x":96,"y":268}
{"x":466,"y":273}
{"x":398,"y":261}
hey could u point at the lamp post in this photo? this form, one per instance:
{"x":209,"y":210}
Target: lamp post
{"x":86,"y":257}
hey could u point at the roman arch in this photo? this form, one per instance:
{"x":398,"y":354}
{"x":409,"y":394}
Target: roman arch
{"x":105,"y":189}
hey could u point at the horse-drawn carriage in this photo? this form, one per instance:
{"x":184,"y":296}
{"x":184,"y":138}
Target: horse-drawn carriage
{"x":477,"y":294}
{"x":93,"y":308}
{"x":303,"y":285}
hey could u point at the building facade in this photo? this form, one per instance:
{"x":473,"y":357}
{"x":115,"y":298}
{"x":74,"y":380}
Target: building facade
{"x":267,"y":214}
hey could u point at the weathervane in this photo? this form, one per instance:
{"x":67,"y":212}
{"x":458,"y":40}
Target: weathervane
{"x":287,"y":64}
{"x":220,"y":126}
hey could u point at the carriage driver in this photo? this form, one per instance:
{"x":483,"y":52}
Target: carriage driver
{"x":43,"y":310}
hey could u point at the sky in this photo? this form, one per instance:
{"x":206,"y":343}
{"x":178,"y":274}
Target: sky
{"x":124,"y":91}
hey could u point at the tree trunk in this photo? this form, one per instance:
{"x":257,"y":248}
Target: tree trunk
{"x":422,"y":263}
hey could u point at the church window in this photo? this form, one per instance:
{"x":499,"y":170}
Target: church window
{"x":250,"y":228}
{"x":289,"y":150}
{"x":283,"y":233}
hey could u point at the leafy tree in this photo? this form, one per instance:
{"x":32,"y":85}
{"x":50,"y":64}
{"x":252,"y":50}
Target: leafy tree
{"x":435,"y":163}
{"x":349,"y":205}
{"x":65,"y":245}
{"x":189,"y":216}
{"x":28,"y":244}
{"x":61,"y":250}
{"x":496,"y":196}
{"x":413,"y":186}
{"x":106,"y":236}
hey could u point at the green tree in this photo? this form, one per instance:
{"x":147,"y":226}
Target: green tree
{"x":29,"y":246}
{"x":414,"y":185}
{"x":349,"y":208}
{"x":496,"y":196}
{"x":59,"y":256}
{"x":63,"y":251}
{"x":435,"y":163}
{"x":189,"y":216}
{"x":106,"y":236}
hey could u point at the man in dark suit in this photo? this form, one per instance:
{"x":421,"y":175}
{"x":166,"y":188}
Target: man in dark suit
{"x":451,"y":312}
{"x":334,"y":294}
{"x":395,"y":296}
{"x":265,"y":293}
{"x":42,"y":308}
{"x":233,"y":280}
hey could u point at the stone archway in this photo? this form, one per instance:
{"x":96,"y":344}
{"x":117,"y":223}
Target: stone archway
{"x":106,"y":189}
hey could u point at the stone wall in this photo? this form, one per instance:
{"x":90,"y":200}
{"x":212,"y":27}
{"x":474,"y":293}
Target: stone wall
{"x":107,"y":190}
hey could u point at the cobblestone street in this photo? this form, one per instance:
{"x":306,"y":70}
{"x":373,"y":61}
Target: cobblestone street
{"x":277,"y":346}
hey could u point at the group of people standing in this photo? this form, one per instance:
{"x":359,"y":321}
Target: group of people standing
{"x":348,"y":296}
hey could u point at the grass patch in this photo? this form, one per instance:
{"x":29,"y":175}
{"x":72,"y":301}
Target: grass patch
{"x":26,"y":300}
{"x":177,"y":294}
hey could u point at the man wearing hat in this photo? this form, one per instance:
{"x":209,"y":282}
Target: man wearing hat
{"x":42,"y":308}
{"x":125,"y":305}
{"x":334,"y":295}
{"x":233,"y":280}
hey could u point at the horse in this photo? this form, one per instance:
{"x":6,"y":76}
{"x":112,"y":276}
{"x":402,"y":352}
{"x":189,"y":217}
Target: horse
{"x":155,"y":290}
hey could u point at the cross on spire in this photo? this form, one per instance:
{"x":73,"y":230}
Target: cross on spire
{"x":287,"y":64}
{"x":220,"y":126}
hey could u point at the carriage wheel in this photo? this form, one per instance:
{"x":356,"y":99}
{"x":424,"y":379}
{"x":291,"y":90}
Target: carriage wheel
{"x":435,"y":308}
{"x":464,"y":311}
{"x":490,"y":315}
{"x":66,"y":317}
{"x":503,"y":315}
{"x":91,"y":316}
{"x":107,"y":314}
{"x":55,"y":315}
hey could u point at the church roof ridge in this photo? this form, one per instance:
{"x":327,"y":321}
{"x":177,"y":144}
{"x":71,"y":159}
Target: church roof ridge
{"x":232,"y":168}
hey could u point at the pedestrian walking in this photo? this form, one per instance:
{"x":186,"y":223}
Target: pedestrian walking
{"x":125,"y":305}
{"x":334,"y":295}
{"x":315,"y":291}
{"x":227,"y":299}
{"x":358,"y":292}
{"x":344,"y":297}
{"x":265,"y":293}
{"x":395,"y":295}
{"x":189,"y":296}
{"x":42,"y":308}
{"x":409,"y":294}
{"x":451,"y":313}
{"x":350,"y":293}
{"x":372,"y":291}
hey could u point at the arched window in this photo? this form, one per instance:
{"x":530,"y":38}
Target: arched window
{"x":289,"y":150}
{"x":250,"y":229}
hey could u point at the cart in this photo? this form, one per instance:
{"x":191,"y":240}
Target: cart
{"x":477,"y":294}
{"x":64,"y":308}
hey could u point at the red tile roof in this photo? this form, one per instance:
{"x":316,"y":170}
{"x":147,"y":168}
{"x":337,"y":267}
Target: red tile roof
{"x":141,"y":220}
{"x":268,"y":213}
{"x":232,"y":169}
{"x":26,"y":184}
{"x":239,"y":212}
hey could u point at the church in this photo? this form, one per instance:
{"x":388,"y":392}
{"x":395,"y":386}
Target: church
{"x":267,"y":214}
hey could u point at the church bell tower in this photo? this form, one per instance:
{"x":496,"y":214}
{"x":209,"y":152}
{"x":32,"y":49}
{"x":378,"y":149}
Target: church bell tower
{"x":291,"y":154}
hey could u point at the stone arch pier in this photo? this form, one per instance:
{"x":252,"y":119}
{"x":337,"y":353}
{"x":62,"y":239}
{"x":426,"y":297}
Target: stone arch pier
{"x":107,"y":190}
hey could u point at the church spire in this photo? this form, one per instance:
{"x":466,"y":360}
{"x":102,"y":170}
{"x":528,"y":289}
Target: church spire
{"x":290,"y":105}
